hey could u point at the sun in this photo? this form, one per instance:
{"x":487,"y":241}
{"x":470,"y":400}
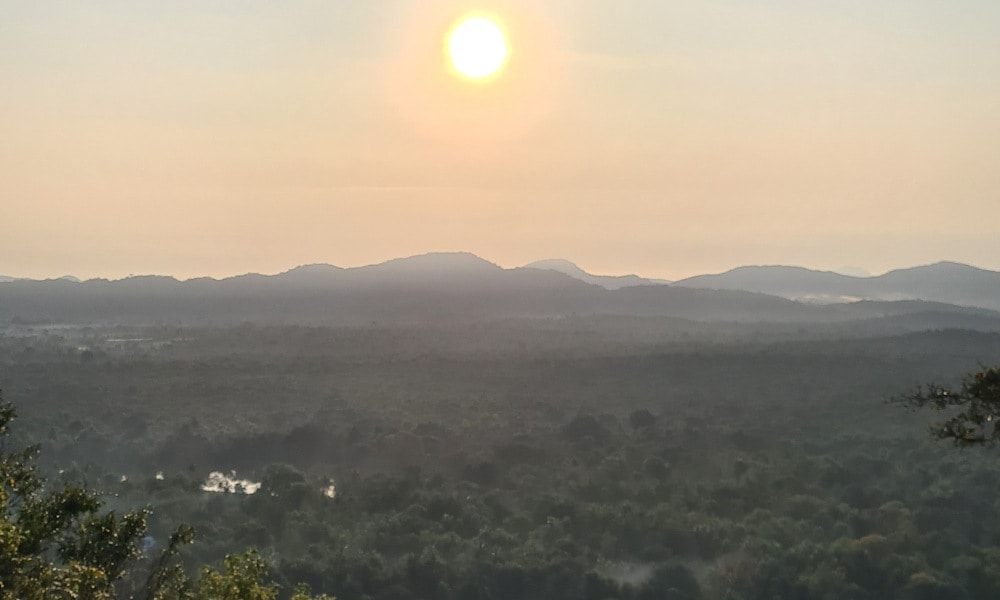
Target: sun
{"x":477,"y":48}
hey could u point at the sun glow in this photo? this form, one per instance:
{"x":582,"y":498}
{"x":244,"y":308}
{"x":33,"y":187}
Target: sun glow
{"x":465,"y":76}
{"x":477,"y":48}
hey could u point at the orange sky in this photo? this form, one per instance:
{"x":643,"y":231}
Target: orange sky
{"x":663,"y":138}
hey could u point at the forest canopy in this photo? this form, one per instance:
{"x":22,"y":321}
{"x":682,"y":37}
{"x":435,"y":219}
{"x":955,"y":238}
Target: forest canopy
{"x":586,"y":458}
{"x":57,"y":543}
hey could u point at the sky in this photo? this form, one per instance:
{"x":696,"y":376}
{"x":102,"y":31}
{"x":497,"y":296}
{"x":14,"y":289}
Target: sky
{"x":658,"y":137}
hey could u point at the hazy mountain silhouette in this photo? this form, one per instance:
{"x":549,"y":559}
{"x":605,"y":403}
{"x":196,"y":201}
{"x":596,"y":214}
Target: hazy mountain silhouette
{"x":608,"y":282}
{"x":441,"y":287}
{"x":436,"y":263}
{"x":70,"y":278}
{"x":947,"y":282}
{"x":852,"y":271}
{"x":317,"y":272}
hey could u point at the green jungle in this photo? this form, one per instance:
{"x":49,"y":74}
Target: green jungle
{"x":575,"y":458}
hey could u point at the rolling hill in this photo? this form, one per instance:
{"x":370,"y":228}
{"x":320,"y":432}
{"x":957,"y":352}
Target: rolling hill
{"x":441,"y":287}
{"x":946,"y":282}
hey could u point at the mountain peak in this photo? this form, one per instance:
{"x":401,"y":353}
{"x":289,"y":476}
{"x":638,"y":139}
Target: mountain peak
{"x":951,"y":265}
{"x":437,"y":261}
{"x":557,"y":264}
{"x":944,"y":267}
{"x":609,"y":282}
{"x":311,"y":270}
{"x":790,"y":269}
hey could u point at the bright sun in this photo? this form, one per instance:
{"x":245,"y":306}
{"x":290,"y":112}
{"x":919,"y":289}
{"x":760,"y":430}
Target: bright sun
{"x":477,"y":48}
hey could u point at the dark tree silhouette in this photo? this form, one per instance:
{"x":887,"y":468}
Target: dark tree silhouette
{"x":973,"y":410}
{"x":641,"y":419}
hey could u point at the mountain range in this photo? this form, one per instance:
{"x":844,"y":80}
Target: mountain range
{"x":447,"y":287}
{"x":608,"y":282}
{"x":947,"y":282}
{"x":6,"y":278}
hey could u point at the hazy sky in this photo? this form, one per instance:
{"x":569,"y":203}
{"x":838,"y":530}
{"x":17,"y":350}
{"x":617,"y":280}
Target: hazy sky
{"x":216,"y":137}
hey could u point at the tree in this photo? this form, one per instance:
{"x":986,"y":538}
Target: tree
{"x":242,"y":579}
{"x":641,"y":419}
{"x":974,"y":408}
{"x":56,"y":544}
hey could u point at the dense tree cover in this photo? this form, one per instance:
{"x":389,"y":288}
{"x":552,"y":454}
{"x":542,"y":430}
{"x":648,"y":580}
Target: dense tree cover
{"x":707,"y":467}
{"x":56,"y":544}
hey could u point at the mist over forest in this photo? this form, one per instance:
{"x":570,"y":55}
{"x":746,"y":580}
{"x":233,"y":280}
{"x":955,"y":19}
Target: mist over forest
{"x":499,"y":300}
{"x":440,"y":427}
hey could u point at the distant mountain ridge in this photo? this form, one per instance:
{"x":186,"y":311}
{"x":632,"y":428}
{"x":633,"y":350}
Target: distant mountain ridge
{"x":432,"y":288}
{"x":70,"y":278}
{"x":608,"y":282}
{"x":947,"y":282}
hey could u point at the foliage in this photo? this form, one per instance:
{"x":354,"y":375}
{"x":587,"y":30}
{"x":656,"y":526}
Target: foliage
{"x":977,"y":403}
{"x":712,"y":467}
{"x":241,"y":580}
{"x":55,"y":544}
